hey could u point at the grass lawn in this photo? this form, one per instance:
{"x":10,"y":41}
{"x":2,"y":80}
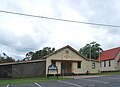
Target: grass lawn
{"x":29,"y":80}
{"x":110,"y":73}
{"x":44,"y":79}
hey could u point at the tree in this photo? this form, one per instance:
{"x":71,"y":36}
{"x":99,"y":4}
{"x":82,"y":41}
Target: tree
{"x":28,"y":56}
{"x":91,"y":50}
{"x":41,"y":53}
{"x":6,"y":59}
{"x":2,"y":59}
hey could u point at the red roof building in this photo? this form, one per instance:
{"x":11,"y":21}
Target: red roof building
{"x":109,"y":54}
{"x":110,"y":60}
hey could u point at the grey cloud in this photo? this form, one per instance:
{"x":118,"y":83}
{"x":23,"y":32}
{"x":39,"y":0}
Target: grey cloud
{"x":102,"y":11}
{"x":21,"y":44}
{"x":114,"y":31}
{"x":99,"y":11}
{"x":7,"y":37}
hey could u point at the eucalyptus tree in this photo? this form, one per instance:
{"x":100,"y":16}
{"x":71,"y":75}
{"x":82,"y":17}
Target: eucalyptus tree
{"x":40,"y":53}
{"x":91,"y":50}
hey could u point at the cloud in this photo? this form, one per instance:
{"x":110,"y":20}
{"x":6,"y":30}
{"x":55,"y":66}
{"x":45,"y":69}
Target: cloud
{"x":22,"y":34}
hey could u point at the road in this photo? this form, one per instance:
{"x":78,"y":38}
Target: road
{"x":102,"y":81}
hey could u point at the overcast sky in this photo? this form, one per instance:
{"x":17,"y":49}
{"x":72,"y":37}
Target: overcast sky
{"x":20,"y":34}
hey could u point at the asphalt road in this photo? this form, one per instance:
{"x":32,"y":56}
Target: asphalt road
{"x":103,"y":81}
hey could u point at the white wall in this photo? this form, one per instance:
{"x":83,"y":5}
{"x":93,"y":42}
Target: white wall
{"x":116,"y":61}
{"x":108,"y":68}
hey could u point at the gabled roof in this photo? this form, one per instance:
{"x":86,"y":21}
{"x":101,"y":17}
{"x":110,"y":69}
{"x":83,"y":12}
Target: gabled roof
{"x":109,"y":54}
{"x":69,"y":47}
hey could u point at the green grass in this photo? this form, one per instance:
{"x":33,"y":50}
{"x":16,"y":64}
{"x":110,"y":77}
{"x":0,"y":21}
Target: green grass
{"x":108,"y":73}
{"x":29,"y":80}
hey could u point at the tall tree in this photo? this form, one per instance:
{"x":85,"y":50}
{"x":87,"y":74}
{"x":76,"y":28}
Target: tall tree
{"x":41,"y":53}
{"x":91,"y":50}
{"x":28,"y":56}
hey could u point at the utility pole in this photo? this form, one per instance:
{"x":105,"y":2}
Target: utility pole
{"x":90,"y":58}
{"x":99,"y":60}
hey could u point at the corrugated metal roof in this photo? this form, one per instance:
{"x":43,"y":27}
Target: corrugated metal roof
{"x":29,"y":61}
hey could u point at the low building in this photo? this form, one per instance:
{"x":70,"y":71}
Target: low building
{"x":69,"y":61}
{"x":110,"y":60}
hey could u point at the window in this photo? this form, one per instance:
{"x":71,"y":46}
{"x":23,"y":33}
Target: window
{"x":53,"y":62}
{"x":109,"y":63}
{"x":93,"y":65}
{"x":79,"y":64}
{"x":104,"y":63}
{"x":100,"y":64}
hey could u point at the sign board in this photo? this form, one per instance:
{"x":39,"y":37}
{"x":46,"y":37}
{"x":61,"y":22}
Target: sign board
{"x":52,"y":68}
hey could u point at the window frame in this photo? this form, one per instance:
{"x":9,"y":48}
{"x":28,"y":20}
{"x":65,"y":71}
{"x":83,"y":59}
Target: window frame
{"x":100,"y":64}
{"x":93,"y":65}
{"x":104,"y":63}
{"x":79,"y":65}
{"x":109,"y":63}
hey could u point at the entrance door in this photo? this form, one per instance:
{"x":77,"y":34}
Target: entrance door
{"x":66,"y":68}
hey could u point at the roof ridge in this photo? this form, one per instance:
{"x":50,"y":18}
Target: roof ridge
{"x":68,"y":46}
{"x":112,"y":49}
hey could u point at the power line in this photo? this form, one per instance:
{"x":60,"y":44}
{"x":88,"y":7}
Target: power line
{"x":90,"y":23}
